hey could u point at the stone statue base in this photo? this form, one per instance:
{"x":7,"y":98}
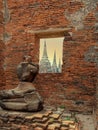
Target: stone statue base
{"x":23,"y":98}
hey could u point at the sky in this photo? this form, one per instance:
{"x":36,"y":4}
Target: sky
{"x":53,"y":44}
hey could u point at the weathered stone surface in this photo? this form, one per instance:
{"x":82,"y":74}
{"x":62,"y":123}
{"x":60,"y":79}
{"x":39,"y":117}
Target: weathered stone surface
{"x":6,"y":11}
{"x":24,"y":97}
{"x":27,"y":70}
{"x":78,"y":17}
{"x":23,"y":121}
{"x":92,"y":54}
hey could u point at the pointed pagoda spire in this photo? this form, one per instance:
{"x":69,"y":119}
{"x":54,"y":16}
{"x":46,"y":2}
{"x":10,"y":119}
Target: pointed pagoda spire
{"x":54,"y":59}
{"x":45,"y":65}
{"x":54,"y":65}
{"x":59,"y":63}
{"x":45,"y":50}
{"x":59,"y":66}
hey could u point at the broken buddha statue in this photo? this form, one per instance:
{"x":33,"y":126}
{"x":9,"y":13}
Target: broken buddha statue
{"x":24,"y":97}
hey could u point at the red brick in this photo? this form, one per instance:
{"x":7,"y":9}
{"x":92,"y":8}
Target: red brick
{"x":78,"y":78}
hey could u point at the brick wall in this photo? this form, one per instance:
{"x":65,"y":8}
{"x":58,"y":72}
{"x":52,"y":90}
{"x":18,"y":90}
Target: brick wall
{"x":2,"y":47}
{"x":75,"y":87}
{"x":95,"y":36}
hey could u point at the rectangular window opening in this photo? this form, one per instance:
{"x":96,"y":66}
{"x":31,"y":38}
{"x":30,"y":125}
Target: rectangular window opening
{"x":51,"y":53}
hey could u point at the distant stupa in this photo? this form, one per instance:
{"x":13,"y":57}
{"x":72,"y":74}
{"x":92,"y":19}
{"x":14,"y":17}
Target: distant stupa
{"x":45,"y":65}
{"x":59,"y":66}
{"x":54,"y":64}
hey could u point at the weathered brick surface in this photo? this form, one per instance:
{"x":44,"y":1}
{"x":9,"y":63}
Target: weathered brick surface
{"x":2,"y":47}
{"x":75,"y":87}
{"x":95,"y":36}
{"x":35,"y":121}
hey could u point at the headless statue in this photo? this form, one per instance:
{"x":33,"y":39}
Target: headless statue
{"x":24,"y":97}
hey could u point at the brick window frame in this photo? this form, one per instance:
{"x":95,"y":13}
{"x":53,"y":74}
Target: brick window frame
{"x":49,"y":33}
